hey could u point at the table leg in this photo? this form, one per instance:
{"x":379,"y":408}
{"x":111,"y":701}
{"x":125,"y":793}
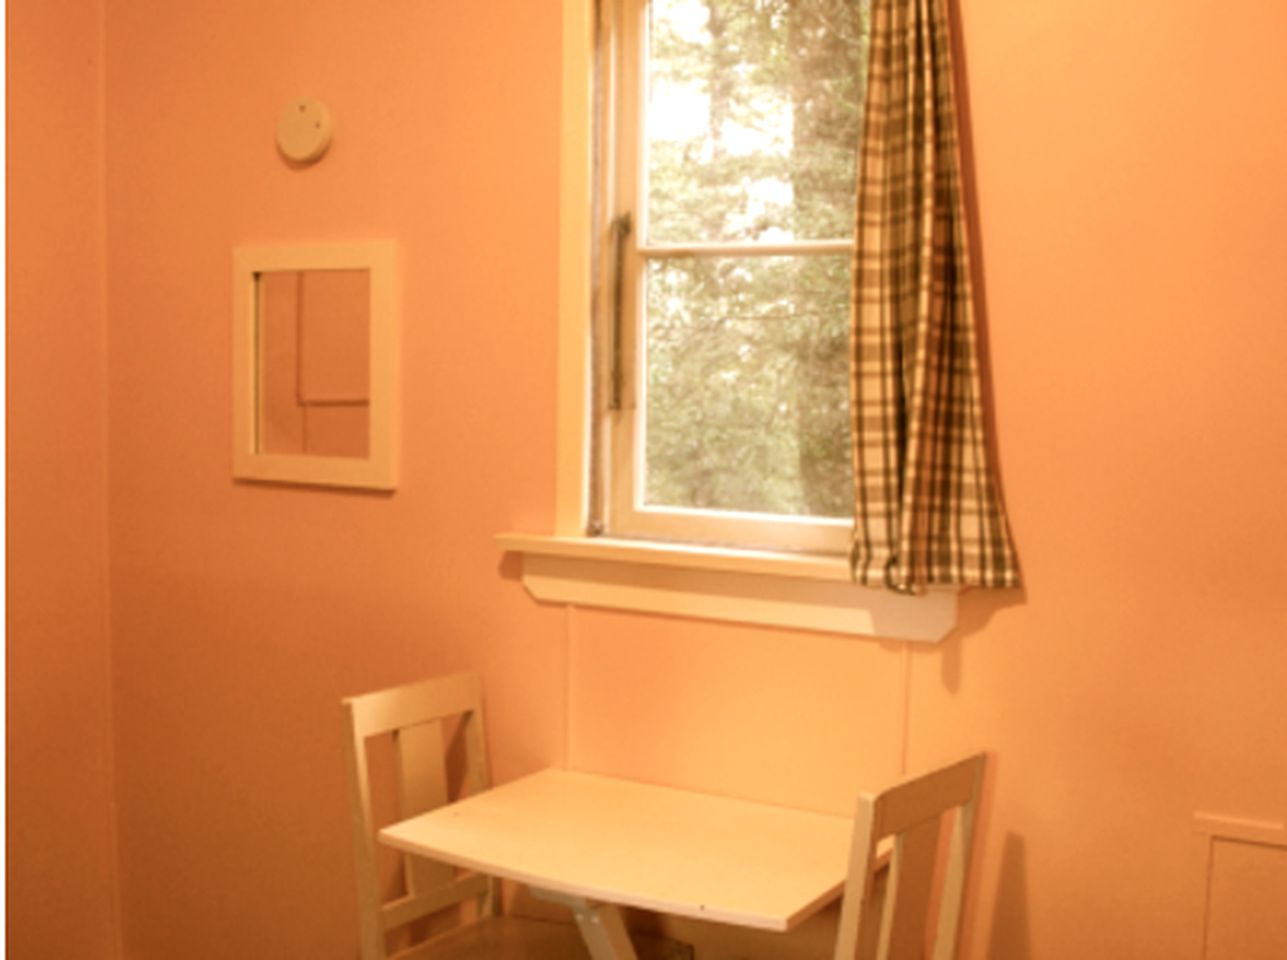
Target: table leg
{"x":600,"y":924}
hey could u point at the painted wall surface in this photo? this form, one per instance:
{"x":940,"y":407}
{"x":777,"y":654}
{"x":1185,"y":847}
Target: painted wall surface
{"x":1127,"y":162}
{"x":242,"y":613}
{"x":60,"y":856}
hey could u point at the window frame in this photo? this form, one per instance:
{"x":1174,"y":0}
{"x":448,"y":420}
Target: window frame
{"x":574,"y":566}
{"x":618,"y":458}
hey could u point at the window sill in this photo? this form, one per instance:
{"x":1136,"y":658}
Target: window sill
{"x":801,"y":591}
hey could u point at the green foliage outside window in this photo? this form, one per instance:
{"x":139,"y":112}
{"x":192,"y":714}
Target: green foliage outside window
{"x":754,"y":110}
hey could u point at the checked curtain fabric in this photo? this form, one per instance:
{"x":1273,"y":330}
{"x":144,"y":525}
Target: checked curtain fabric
{"x":927,"y":510}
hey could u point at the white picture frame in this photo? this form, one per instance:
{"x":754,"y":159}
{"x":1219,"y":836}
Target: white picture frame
{"x":378,"y":469}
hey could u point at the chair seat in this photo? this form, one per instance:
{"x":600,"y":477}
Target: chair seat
{"x":506,"y":938}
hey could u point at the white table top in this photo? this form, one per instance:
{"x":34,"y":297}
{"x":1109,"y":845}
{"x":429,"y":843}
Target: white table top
{"x":634,"y":844}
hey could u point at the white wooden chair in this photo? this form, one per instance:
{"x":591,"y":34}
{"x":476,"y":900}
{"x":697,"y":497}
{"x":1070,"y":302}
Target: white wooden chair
{"x":905,"y":903}
{"x":419,"y":716}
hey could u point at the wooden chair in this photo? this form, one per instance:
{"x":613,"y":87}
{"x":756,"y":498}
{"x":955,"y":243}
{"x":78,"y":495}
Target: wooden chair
{"x":904,"y":903}
{"x":419,"y":717}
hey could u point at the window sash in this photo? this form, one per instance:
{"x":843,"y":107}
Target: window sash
{"x":620,"y":433}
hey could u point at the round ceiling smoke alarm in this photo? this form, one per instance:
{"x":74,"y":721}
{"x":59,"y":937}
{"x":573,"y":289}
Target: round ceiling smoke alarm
{"x":304,"y":130}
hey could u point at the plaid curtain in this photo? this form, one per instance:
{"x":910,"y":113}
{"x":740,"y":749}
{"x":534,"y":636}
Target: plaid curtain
{"x":927,"y":507}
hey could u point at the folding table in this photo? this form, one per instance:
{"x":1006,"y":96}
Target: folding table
{"x":598,"y":843}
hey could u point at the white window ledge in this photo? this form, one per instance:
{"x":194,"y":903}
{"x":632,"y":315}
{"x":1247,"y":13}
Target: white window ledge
{"x":802,"y":591}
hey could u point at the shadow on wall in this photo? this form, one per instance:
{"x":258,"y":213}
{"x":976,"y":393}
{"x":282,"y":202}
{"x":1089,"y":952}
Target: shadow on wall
{"x":1010,"y":939}
{"x":974,"y":612}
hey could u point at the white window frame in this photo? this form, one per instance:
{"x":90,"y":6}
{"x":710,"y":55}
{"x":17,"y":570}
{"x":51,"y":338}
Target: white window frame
{"x":781,"y":588}
{"x":623,"y":187}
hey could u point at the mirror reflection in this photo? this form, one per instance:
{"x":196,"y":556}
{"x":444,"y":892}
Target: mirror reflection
{"x":313,"y":362}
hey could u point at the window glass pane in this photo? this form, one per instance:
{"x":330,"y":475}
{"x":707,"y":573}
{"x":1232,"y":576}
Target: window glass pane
{"x":747,"y":393}
{"x":752,"y":119}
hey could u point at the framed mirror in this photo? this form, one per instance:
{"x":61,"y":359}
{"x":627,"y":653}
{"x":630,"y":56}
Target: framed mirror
{"x":314,"y":362}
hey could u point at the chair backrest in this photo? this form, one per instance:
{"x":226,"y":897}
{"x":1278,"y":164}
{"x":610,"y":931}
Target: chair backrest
{"x":905,"y":903}
{"x":418,"y":717}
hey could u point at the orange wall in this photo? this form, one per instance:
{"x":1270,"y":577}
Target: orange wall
{"x":242,"y":613}
{"x":60,"y":855}
{"x":1128,"y":165}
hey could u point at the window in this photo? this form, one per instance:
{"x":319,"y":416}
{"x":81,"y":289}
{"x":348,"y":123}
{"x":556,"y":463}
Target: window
{"x":727,"y":148}
{"x":670,"y":570}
